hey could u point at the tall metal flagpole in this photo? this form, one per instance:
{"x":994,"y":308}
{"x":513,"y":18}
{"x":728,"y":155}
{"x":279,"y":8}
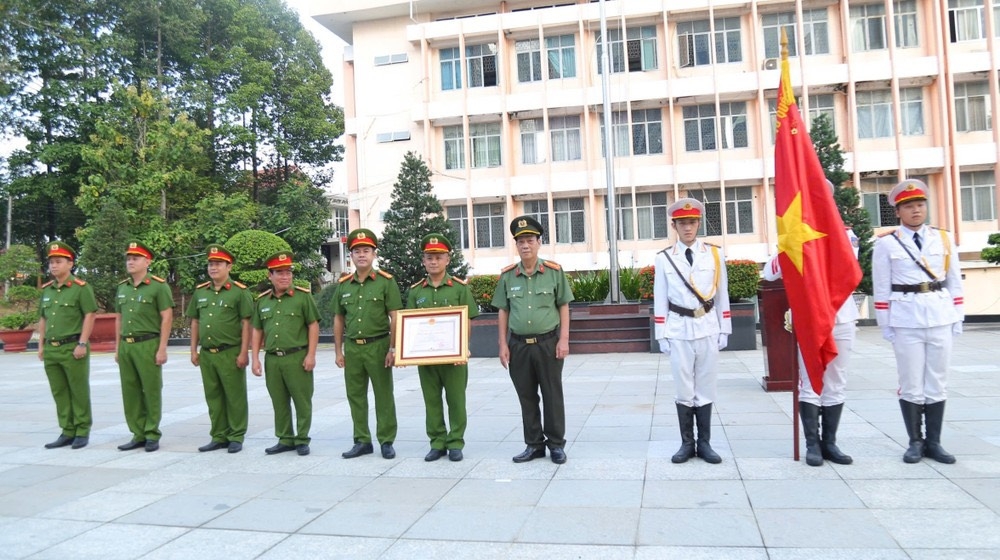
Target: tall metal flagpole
{"x":614,"y":295}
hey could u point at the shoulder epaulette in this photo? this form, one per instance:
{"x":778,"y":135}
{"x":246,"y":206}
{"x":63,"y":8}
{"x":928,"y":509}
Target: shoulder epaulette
{"x":384,"y":273}
{"x":301,"y":289}
{"x":461,"y":281}
{"x":157,"y":278}
{"x":264,"y":293}
{"x":344,"y":277}
{"x":712,"y":245}
{"x":47,"y":284}
{"x":939,"y":229}
{"x":123,"y":281}
{"x":80,"y":282}
{"x":552,"y":265}
{"x":887,"y":233}
{"x":203,"y":284}
{"x":666,"y":249}
{"x":239,"y":284}
{"x":417,"y":283}
{"x":509,"y":268}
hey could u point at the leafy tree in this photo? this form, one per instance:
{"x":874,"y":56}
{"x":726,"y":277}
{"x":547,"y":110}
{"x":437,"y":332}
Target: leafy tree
{"x":299,"y":213}
{"x":848,"y":199}
{"x":102,"y":256}
{"x":251,"y":248}
{"x":18,"y":263}
{"x":414,"y":213}
{"x":992,"y":252}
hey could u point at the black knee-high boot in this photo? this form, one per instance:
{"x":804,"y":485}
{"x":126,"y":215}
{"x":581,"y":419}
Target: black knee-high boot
{"x":685,"y":417}
{"x":810,"y":427}
{"x":828,"y":444}
{"x":912,"y":413}
{"x":703,"y":414}
{"x":933,"y":417}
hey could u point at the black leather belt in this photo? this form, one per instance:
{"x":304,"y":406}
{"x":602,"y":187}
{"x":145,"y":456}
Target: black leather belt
{"x":61,"y":341}
{"x":920,"y":288}
{"x":286,"y":351}
{"x":218,"y":348}
{"x":696,"y":312}
{"x":369,"y":339}
{"x":140,"y":338}
{"x":535,"y":339}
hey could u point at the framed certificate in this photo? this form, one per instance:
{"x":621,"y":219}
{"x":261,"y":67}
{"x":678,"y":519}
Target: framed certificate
{"x":437,"y":335}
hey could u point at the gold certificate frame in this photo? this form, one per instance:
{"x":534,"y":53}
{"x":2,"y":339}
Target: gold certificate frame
{"x":433,"y":336}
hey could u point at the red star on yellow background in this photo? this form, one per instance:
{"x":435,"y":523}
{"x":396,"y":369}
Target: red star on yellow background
{"x":793,"y":233}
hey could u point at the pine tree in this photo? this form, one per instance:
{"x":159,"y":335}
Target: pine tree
{"x":414,"y":213}
{"x":848,"y":199}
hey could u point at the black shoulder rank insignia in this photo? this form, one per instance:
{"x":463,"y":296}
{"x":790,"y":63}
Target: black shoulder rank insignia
{"x":204,"y":284}
{"x":509,"y":268}
{"x":384,"y":273}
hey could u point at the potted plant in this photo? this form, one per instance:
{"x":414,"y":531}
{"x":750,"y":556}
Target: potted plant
{"x":744,"y":279}
{"x":483,"y":342}
{"x":16,"y":324}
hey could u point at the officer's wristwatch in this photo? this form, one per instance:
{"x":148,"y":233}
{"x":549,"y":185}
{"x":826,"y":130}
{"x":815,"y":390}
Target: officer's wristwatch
{"x":83,"y":344}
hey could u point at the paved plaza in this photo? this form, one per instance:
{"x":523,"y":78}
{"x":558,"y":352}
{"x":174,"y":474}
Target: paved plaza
{"x":617,"y":497}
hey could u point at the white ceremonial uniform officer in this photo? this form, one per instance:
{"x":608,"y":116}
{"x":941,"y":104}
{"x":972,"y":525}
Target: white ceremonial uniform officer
{"x":691,"y":312}
{"x":918,"y":305}
{"x":830,"y":403}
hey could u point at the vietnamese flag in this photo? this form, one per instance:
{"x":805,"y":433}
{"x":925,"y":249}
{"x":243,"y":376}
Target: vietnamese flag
{"x":817,"y":260}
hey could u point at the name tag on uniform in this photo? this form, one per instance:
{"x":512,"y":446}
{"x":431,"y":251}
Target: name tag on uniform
{"x":515,"y":288}
{"x":265,"y":309}
{"x":200,"y":300}
{"x":45,"y":299}
{"x":421,"y":300}
{"x":347,"y":295}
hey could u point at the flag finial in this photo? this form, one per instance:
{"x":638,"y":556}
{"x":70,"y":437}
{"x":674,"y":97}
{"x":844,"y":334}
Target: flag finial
{"x":784,"y":44}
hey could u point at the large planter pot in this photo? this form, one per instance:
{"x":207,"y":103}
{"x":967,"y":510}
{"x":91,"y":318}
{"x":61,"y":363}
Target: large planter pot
{"x":483,"y":342}
{"x":102,"y":338}
{"x":744,"y":317}
{"x":16,"y":341}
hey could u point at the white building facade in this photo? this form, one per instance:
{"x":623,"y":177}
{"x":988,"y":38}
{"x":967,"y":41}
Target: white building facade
{"x":504,"y":102}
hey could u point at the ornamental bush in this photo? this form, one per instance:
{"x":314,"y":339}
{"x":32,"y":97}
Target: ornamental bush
{"x":744,"y":278}
{"x":482,"y":288}
{"x":591,"y":286}
{"x":251,"y":248}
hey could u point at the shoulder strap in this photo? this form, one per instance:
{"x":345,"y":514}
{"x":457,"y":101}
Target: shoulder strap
{"x":684,"y":280}
{"x":947,"y":250}
{"x":917,"y":262}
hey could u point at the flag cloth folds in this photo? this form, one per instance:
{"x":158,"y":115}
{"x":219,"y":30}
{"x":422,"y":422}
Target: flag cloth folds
{"x":817,"y":260}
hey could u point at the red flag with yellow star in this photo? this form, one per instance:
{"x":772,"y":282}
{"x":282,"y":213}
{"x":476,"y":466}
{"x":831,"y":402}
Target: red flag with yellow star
{"x":817,"y":259}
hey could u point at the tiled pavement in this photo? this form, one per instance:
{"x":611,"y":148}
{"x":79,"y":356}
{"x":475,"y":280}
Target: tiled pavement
{"x":618,"y":496}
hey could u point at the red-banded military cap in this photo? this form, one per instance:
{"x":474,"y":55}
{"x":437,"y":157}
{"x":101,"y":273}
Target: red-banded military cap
{"x":361,"y":237}
{"x":279,"y":260}
{"x":216,"y":252}
{"x":60,"y":249}
{"x":685,"y":208}
{"x":435,"y":243}
{"x":137,"y":248}
{"x":905,"y":191}
{"x":525,"y":225}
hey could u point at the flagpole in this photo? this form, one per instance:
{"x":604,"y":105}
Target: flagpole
{"x":614,"y":295}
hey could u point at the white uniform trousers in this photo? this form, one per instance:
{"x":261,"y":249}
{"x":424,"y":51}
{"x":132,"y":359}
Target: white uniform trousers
{"x":835,"y":376}
{"x":922,"y":357}
{"x":694,"y":365}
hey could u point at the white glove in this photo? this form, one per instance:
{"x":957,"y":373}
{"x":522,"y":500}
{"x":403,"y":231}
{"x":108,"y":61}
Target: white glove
{"x":723,"y":341}
{"x":888,"y":333}
{"x":664,"y":345}
{"x":956,"y":328}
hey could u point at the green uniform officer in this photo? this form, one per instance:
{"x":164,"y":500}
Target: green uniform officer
{"x":220,"y":313}
{"x":441,"y":290}
{"x":364,"y":314}
{"x":286,"y":327}
{"x":145,"y":314}
{"x":67,"y":316}
{"x":533,"y":298}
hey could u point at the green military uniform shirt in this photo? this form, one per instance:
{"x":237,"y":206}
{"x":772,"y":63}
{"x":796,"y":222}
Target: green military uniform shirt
{"x":63,"y":307}
{"x":285,"y":318}
{"x":532,"y":301}
{"x":366,"y":304}
{"x":220,"y":313}
{"x":140,"y":306}
{"x":451,"y":293}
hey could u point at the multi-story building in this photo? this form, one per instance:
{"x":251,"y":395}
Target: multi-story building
{"x":503,"y":99}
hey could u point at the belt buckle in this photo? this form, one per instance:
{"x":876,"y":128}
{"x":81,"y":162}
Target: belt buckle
{"x":279,"y":353}
{"x":213,"y":350}
{"x":531,"y":340}
{"x":924,"y":287}
{"x":55,"y":343}
{"x":699,"y":311}
{"x":361,"y":341}
{"x":130,"y":339}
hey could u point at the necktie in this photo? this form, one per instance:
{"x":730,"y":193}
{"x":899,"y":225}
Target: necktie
{"x":690,"y":255}
{"x":916,"y":241}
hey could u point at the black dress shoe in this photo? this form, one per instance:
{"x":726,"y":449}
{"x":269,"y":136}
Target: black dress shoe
{"x":359,"y":449}
{"x":152,"y":445}
{"x":434,"y":454}
{"x":454,"y":454}
{"x":132,"y":445}
{"x":278,"y":448}
{"x":235,"y":447}
{"x":558,"y":455}
{"x":302,"y":449}
{"x":529,"y":453}
{"x":213,"y":446}
{"x":61,"y":441}
{"x":387,"y":451}
{"x":80,"y":442}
